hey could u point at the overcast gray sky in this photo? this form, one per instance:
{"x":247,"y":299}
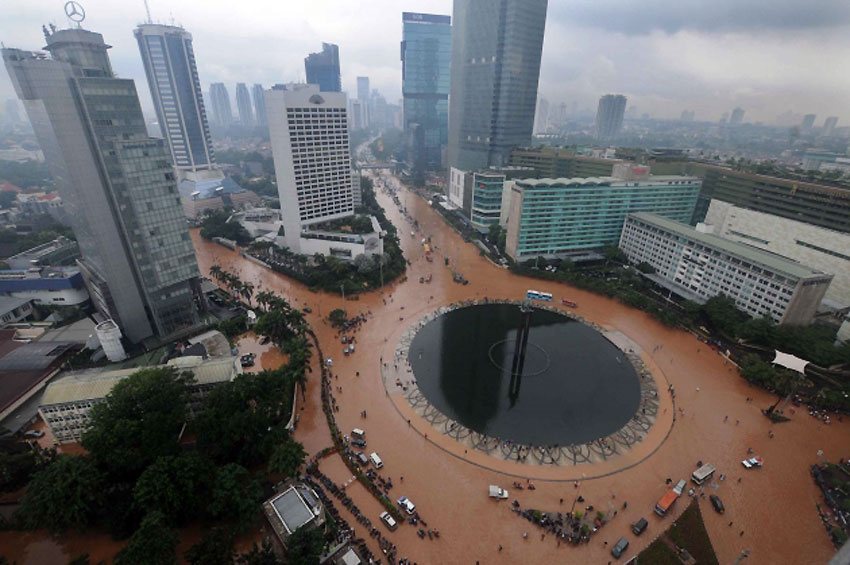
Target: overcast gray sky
{"x":767,"y":56}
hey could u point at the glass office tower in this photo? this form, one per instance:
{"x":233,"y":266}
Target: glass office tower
{"x":495,"y":66}
{"x":117,"y":183}
{"x":425,"y":67}
{"x":172,"y":74}
{"x":323,"y":68}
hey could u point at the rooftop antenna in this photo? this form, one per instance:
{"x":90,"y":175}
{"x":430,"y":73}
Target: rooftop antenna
{"x":148,"y":11}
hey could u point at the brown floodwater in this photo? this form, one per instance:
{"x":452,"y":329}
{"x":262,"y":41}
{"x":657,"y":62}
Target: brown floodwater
{"x":774,"y":506}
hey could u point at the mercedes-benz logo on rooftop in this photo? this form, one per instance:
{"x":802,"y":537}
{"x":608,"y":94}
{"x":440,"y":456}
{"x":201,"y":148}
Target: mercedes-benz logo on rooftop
{"x":74,"y":11}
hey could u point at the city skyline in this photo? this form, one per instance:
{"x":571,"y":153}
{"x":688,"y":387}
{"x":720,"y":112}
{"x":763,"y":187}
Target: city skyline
{"x":589,"y":49}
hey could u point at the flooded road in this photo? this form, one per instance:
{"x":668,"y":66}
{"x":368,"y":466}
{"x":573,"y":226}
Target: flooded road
{"x":774,"y":507}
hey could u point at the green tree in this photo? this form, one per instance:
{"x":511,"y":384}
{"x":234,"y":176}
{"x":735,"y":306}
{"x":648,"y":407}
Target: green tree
{"x":215,"y":224}
{"x":64,"y":495}
{"x":337,"y":317}
{"x":173,"y":485}
{"x":138,"y":421}
{"x":287,"y":458}
{"x":276,"y":324}
{"x":153,"y":542}
{"x":235,"y":496}
{"x":304,"y":546}
{"x":243,"y":420}
{"x":215,"y":547}
{"x":262,"y":555}
{"x":724,"y":315}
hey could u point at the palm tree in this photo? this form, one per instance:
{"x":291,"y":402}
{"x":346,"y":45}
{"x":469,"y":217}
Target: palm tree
{"x":216,"y":272}
{"x":247,"y":291}
{"x":264,"y":298}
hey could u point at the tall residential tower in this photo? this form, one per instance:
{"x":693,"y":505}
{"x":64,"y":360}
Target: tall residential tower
{"x":220,"y":102}
{"x":260,"y":105}
{"x":172,"y":74}
{"x":116,"y":183}
{"x":425,"y":74}
{"x":495,"y":67}
{"x":609,"y":116}
{"x":243,"y":104}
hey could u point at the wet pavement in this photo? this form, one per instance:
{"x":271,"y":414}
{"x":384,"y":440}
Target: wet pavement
{"x":773,"y":506}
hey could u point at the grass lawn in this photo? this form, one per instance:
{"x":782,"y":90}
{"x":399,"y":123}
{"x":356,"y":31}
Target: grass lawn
{"x":689,"y":532}
{"x":658,"y":553}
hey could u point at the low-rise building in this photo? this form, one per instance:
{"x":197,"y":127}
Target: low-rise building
{"x":297,"y":506}
{"x":48,"y":286}
{"x":567,"y":217}
{"x":820,"y":248}
{"x":13,"y":309}
{"x":61,"y":251}
{"x":67,"y":402}
{"x":697,"y":266}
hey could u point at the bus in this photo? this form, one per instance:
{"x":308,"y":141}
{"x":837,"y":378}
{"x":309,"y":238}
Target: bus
{"x":537,"y":295}
{"x":703,"y":473}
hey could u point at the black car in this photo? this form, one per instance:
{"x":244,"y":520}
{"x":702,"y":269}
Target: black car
{"x":639,"y":526}
{"x":358,"y":443}
{"x":717,"y":503}
{"x":308,"y":310}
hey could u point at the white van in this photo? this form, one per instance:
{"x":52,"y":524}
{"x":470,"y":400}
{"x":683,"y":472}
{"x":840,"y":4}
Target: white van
{"x":376,"y":461}
{"x":358,"y":433}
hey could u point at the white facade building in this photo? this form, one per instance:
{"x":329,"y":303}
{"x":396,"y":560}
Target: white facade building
{"x":67,"y":402}
{"x":823,"y":249}
{"x":698,"y":265}
{"x":310,"y":146}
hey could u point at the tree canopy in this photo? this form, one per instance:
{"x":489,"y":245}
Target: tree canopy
{"x":138,"y":421}
{"x":286,"y":458}
{"x":235,"y":496}
{"x":64,"y":495}
{"x":175,"y":486}
{"x":153,"y":542}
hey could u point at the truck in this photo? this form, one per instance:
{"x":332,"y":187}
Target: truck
{"x":670,"y":497}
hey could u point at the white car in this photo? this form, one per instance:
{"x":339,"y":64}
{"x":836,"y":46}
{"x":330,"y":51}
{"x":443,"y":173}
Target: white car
{"x":498,"y":492}
{"x":752,"y":462}
{"x":408,"y":506}
{"x":388,"y":520}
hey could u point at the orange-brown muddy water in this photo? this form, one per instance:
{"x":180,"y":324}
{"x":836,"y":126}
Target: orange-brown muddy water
{"x":773,"y":506}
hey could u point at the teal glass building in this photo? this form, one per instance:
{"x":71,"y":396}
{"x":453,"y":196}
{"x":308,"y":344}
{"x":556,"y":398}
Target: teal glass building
{"x":563,"y":217}
{"x":426,"y":51}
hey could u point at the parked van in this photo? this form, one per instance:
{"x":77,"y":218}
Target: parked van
{"x":376,"y":461}
{"x":358,"y":433}
{"x":362,"y":459}
{"x":703,"y":473}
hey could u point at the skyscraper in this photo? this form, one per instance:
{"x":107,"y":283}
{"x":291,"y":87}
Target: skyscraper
{"x":808,"y":122}
{"x":309,"y":137}
{"x":323,"y":68}
{"x":363,"y":92}
{"x":220,"y":101}
{"x":609,"y":116}
{"x":496,"y":47}
{"x":260,"y":105}
{"x":425,"y":74}
{"x":737,"y":117}
{"x":117,"y":184}
{"x":541,"y":118}
{"x":243,"y":104}
{"x":169,"y":62}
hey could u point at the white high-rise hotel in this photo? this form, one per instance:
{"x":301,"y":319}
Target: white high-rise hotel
{"x":309,"y":137}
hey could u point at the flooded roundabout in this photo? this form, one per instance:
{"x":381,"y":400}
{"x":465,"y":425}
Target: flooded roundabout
{"x":522,"y":384}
